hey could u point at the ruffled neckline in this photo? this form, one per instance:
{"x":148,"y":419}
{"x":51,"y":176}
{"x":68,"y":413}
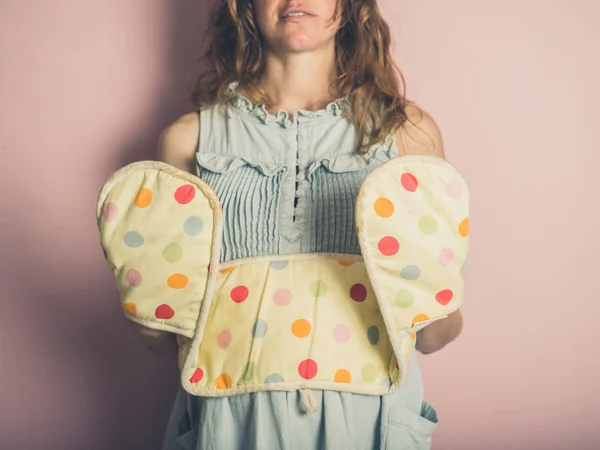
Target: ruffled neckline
{"x":281,"y":118}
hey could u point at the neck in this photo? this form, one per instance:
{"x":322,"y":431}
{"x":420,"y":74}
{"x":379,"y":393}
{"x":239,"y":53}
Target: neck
{"x":299,"y":81}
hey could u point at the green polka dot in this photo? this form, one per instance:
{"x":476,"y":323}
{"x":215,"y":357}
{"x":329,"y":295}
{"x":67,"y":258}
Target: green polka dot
{"x":249,"y":372}
{"x":172,"y":252}
{"x":405,"y":298}
{"x":318,"y":288}
{"x":428,"y":225}
{"x":369,"y":372}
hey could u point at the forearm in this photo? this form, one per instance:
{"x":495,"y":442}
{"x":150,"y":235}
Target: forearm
{"x":158,"y":342}
{"x":436,"y":336}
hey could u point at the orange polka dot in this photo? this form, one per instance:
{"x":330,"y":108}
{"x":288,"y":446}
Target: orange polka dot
{"x":223,"y":381}
{"x":130,"y":308}
{"x":345,"y":263}
{"x":178,"y":281}
{"x":419,"y":318}
{"x":227,"y":270}
{"x":144,"y":198}
{"x":342,"y":376}
{"x":384,"y":207}
{"x":301,"y":328}
{"x":413,"y":336}
{"x":463,"y":228}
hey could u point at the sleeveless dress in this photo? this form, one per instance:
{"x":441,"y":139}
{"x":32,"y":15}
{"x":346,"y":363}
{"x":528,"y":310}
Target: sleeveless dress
{"x":288,"y":184}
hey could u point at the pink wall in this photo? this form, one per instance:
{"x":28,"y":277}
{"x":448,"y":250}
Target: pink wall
{"x":85,"y":87}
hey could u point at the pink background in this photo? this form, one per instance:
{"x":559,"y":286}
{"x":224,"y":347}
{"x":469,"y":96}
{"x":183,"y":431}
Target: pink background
{"x":86,"y":87}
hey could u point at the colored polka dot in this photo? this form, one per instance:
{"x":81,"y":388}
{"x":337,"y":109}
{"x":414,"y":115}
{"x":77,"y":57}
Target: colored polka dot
{"x":133,"y":277}
{"x":144,"y":198}
{"x":410,"y":272}
{"x":185,"y":194}
{"x":463,"y":228}
{"x":444,"y":297}
{"x":446,"y":257}
{"x":197,"y":375}
{"x":428,"y":225}
{"x":419,"y":318}
{"x":193,"y":226}
{"x":358,"y":292}
{"x":239,"y":294}
{"x":177,"y":281}
{"x":405,"y":298}
{"x":249,"y":371}
{"x":341,"y":333}
{"x":110,"y":212}
{"x":172,"y":252}
{"x":342,"y":376}
{"x":274,"y":378}
{"x":388,"y":246}
{"x":454,"y":189}
{"x":130,"y":308}
{"x":373,"y":335}
{"x":384,"y":207}
{"x":223,"y":381}
{"x":282,"y":297}
{"x":224,"y":339}
{"x":226,"y":270}
{"x":133,"y":239}
{"x":259,"y":329}
{"x":369,"y":372}
{"x":409,"y":182}
{"x":164,"y":312}
{"x":278,"y":265}
{"x":318,"y":288}
{"x":308,"y":369}
{"x":386,"y":382}
{"x":413,"y":337}
{"x":301,"y":328}
{"x":345,"y":263}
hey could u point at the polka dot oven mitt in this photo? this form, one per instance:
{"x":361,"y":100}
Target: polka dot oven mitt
{"x":413,"y":227}
{"x":160,"y":231}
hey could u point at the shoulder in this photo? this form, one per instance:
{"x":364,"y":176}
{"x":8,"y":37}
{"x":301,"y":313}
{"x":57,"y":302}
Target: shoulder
{"x":419,"y":135}
{"x":178,"y":142}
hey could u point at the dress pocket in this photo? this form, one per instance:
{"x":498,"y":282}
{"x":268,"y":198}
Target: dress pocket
{"x":409,"y":431}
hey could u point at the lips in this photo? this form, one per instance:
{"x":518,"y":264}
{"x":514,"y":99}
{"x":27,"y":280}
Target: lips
{"x":294,"y":12}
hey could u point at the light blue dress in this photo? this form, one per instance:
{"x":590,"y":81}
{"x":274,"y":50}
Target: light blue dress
{"x":288,"y":184}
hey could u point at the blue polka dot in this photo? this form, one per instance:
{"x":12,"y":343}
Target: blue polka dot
{"x":259,"y":329}
{"x":386,"y":382}
{"x":373,"y":335}
{"x":274,"y":378}
{"x":193,"y":226}
{"x":133,"y":239}
{"x":278,"y":265}
{"x":411,"y":273}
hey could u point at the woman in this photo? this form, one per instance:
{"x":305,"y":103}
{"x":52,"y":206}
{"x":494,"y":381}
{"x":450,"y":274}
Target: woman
{"x":308,"y":84}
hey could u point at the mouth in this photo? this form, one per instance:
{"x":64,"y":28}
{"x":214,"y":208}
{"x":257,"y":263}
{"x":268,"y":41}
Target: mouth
{"x":295,"y":14}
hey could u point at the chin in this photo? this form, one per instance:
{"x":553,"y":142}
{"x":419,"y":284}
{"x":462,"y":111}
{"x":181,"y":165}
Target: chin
{"x":303,"y":44}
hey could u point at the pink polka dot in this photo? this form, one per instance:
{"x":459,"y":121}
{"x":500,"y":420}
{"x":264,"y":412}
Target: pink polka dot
{"x":409,"y":182}
{"x":110,"y":212}
{"x":388,"y":246}
{"x":134,"y":277}
{"x":282,"y":297}
{"x":308,"y":369}
{"x":185,"y":194}
{"x":454,"y":189}
{"x":239,"y":294}
{"x":446,"y":257}
{"x":197,"y":376}
{"x":224,"y":339}
{"x":341,"y":333}
{"x":358,"y":292}
{"x":164,"y":312}
{"x":444,"y":297}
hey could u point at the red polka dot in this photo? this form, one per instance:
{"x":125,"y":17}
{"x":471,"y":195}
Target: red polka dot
{"x":388,"y":246}
{"x":444,"y":297}
{"x":358,"y":292}
{"x":308,"y":369}
{"x":185,"y":194}
{"x":409,"y":182}
{"x":239,"y":294}
{"x":164,"y":312}
{"x":198,"y":375}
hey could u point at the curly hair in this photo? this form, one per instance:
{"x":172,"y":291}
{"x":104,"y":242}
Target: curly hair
{"x":366,"y":73}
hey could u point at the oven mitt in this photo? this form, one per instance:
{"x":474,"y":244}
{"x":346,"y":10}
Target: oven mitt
{"x":160,"y":229}
{"x":413,"y":225}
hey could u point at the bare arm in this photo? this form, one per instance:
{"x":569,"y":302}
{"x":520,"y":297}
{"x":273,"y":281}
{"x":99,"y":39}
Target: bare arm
{"x":421,"y":136}
{"x":176,"y":147}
